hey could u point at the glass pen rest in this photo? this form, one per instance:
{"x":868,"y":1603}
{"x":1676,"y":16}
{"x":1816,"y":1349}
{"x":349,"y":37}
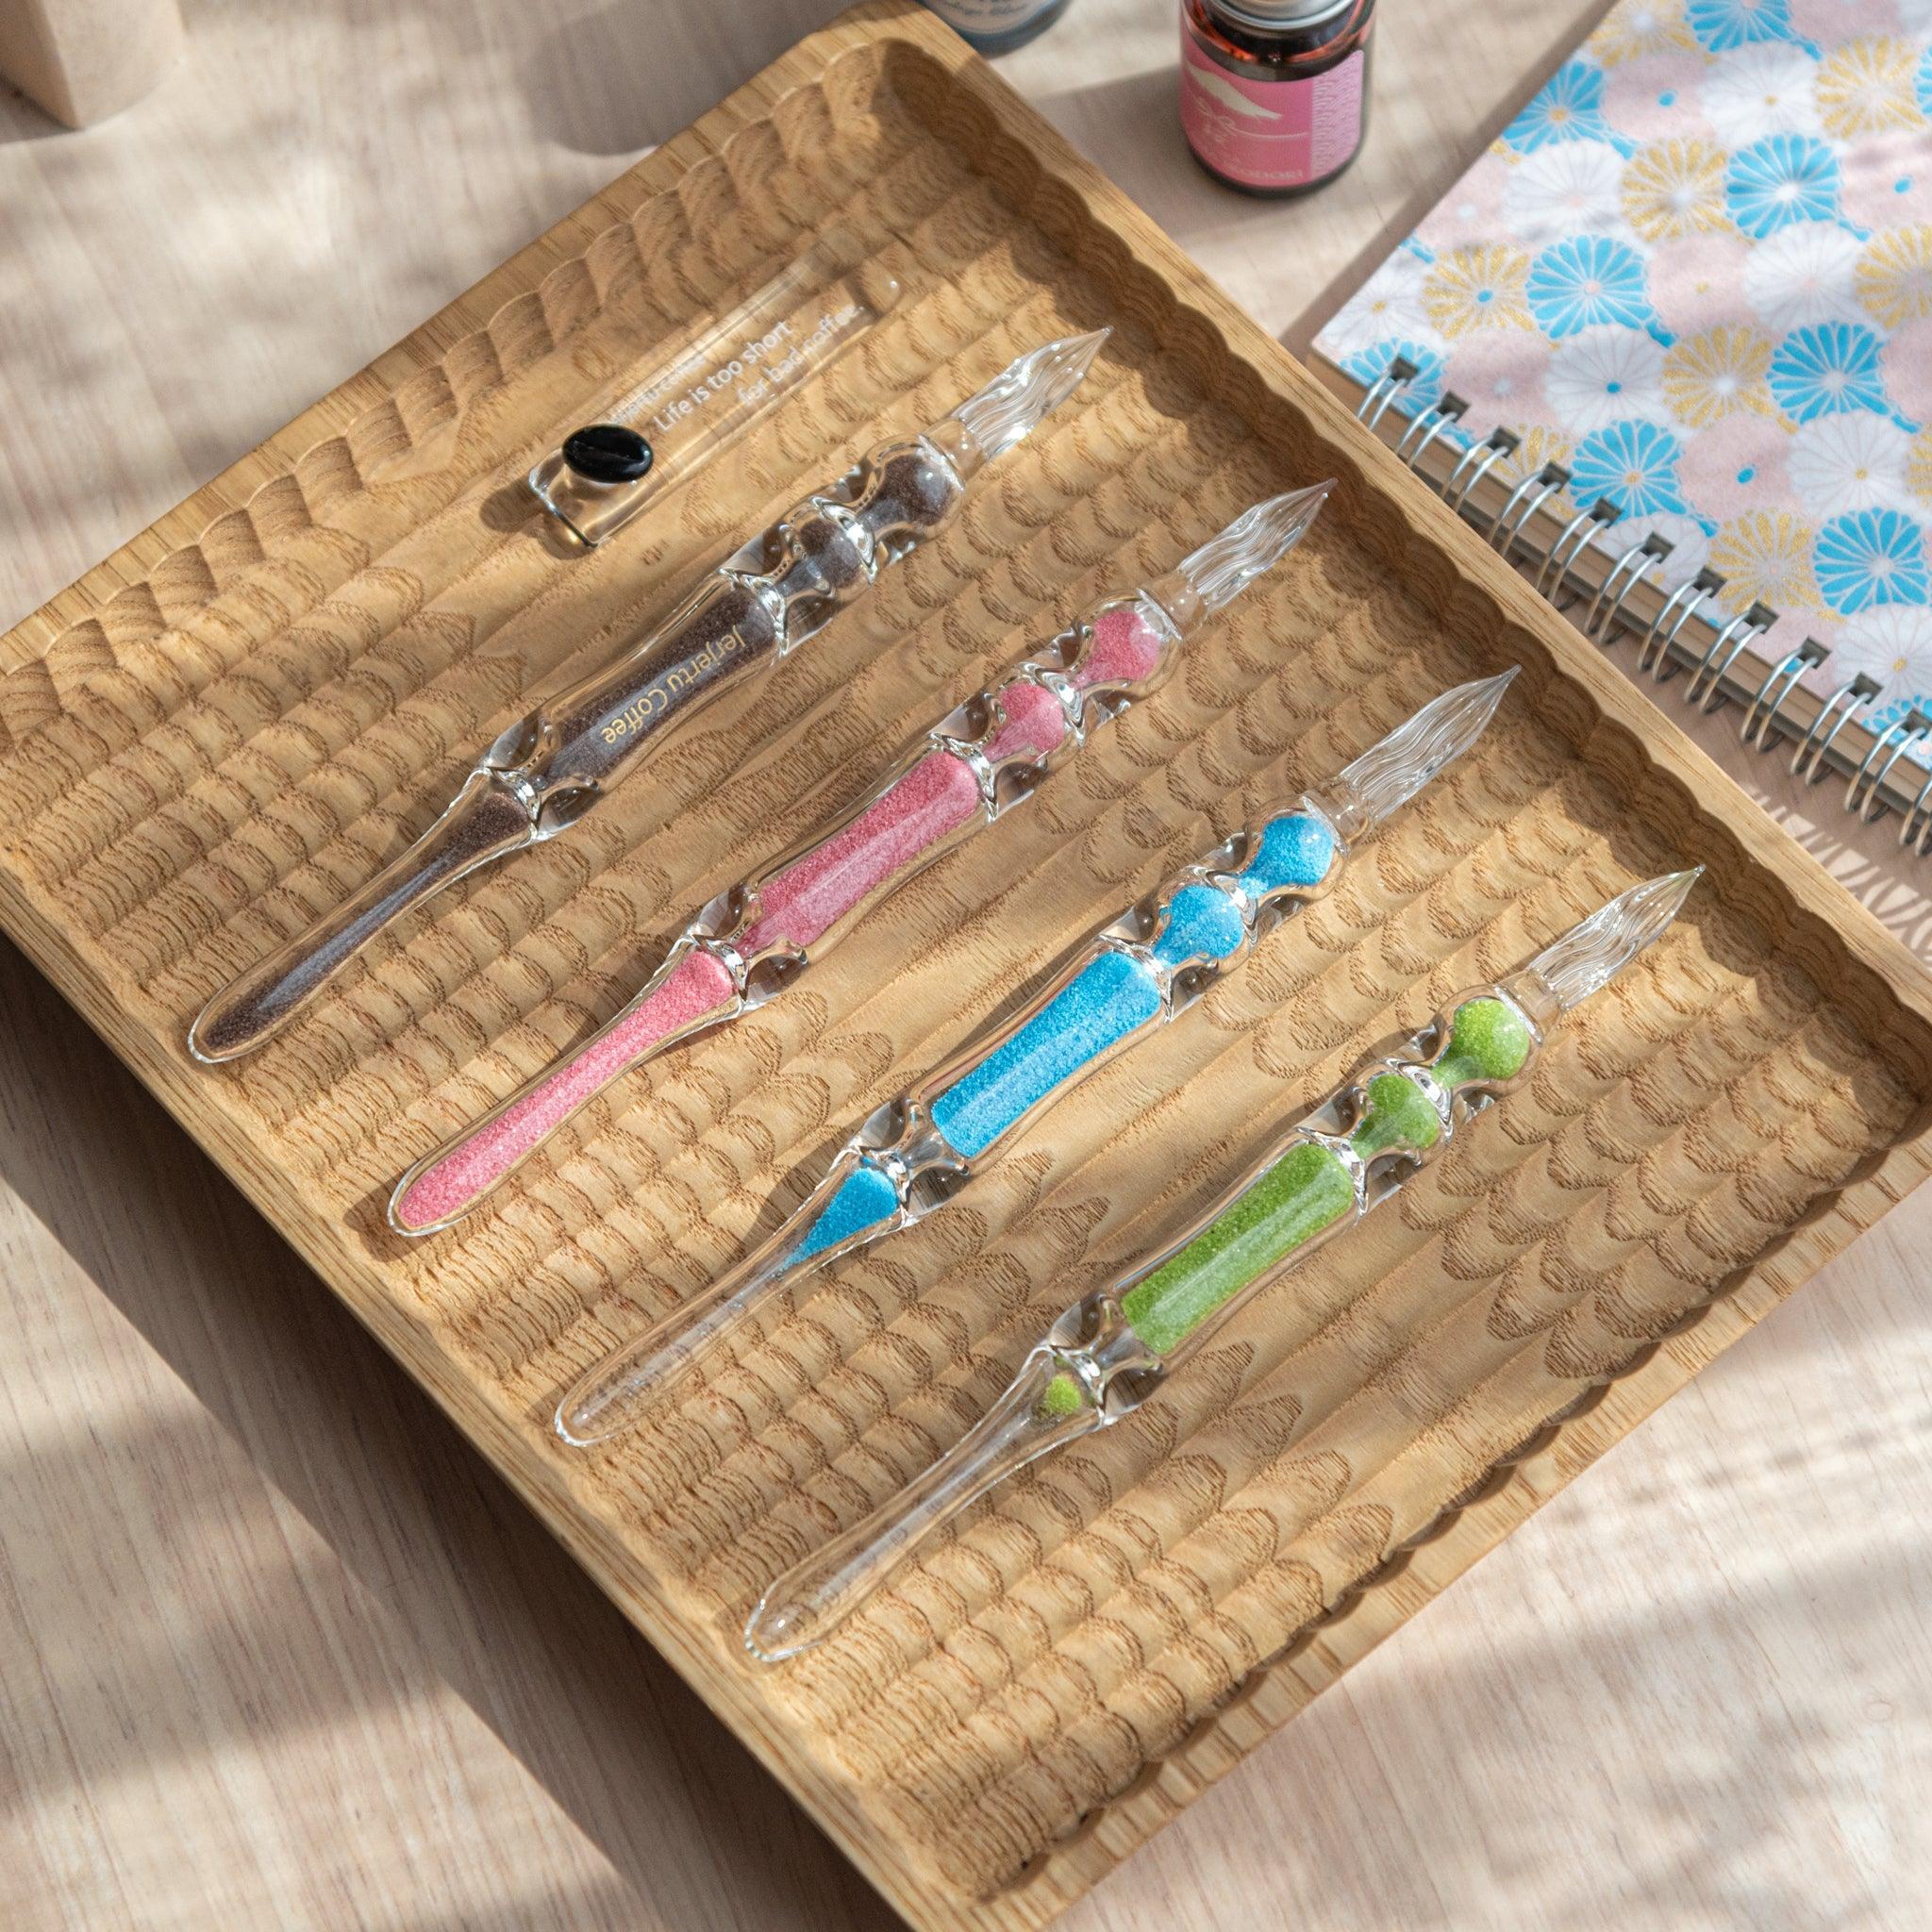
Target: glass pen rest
{"x":734,"y":373}
{"x":236,"y":719}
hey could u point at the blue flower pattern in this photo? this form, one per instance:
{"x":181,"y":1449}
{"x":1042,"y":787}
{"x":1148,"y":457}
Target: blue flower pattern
{"x":1860,"y":561}
{"x":1778,"y":180}
{"x":1870,"y":557}
{"x":1585,"y":282}
{"x":1634,"y":465}
{"x":1723,"y":24}
{"x":1569,"y":107}
{"x":1830,"y":367}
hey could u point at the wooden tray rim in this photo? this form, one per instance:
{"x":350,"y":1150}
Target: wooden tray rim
{"x":1275,"y":1690}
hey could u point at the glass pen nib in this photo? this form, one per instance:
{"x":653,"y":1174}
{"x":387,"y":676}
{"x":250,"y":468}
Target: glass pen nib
{"x":1257,"y":539}
{"x":1026,"y":391}
{"x":1391,"y":773}
{"x":1596,"y":949}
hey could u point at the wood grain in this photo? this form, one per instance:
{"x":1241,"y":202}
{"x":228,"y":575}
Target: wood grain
{"x":1141,"y":1865}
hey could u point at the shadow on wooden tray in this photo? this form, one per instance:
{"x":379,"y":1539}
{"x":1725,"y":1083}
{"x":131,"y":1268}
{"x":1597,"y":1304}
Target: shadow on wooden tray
{"x":502,"y":1613}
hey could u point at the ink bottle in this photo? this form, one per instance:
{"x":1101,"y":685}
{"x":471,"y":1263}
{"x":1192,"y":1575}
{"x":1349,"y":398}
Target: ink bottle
{"x":1274,"y":93}
{"x":997,"y":26}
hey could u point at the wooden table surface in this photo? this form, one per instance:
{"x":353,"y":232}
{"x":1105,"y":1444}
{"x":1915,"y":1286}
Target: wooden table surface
{"x":276,"y":1647}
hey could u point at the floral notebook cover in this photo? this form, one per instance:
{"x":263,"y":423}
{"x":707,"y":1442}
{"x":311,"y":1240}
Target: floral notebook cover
{"x":1696,"y":271}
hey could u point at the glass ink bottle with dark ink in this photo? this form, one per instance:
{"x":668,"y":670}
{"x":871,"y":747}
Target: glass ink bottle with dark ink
{"x":997,"y":26}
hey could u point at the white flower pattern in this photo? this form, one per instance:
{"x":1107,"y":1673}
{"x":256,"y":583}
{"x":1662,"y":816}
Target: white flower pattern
{"x":1804,"y":275}
{"x":1892,"y":642}
{"x":1389,"y":304}
{"x":1604,"y":376}
{"x":1765,"y":88}
{"x":1568,"y":189}
{"x":1854,"y":461}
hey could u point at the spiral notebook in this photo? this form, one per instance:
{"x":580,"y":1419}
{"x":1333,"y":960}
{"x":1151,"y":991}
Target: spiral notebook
{"x":1668,"y":344}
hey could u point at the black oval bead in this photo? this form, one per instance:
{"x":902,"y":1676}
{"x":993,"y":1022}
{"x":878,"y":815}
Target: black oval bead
{"x":607,"y":453}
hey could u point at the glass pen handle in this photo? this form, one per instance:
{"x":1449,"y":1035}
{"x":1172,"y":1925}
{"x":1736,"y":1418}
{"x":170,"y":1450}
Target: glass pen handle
{"x":836,"y":1579}
{"x":1343,"y":1160}
{"x":1135,"y":975}
{"x":1109,"y":1352}
{"x":482,"y":822}
{"x":547,"y":770}
{"x":754,"y":940}
{"x":915,"y":1151}
{"x":554,"y":765}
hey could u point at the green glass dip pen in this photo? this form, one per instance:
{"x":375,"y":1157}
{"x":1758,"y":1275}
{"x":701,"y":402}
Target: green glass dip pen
{"x":913,"y":1155}
{"x":1112,"y":1350}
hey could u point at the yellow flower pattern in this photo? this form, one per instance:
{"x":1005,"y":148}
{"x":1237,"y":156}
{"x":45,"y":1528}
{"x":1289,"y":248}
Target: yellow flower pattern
{"x":1865,"y":87}
{"x":1630,"y":32}
{"x":1539,"y":445}
{"x":1674,"y":188}
{"x":1765,"y":557}
{"x":1473,"y":289}
{"x":1919,"y":466}
{"x":1893,"y":277}
{"x":1712,"y":375}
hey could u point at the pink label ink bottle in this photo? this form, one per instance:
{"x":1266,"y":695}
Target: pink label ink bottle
{"x":1274,"y":93}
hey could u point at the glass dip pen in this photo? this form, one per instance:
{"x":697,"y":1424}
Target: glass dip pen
{"x":755,"y":941}
{"x":1110,"y":1351}
{"x":914,"y":1153}
{"x":550,"y":767}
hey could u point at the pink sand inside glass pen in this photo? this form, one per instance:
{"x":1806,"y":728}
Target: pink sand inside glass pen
{"x":796,"y":905}
{"x":475,"y":1164}
{"x":1125,"y":648}
{"x":937,"y":796}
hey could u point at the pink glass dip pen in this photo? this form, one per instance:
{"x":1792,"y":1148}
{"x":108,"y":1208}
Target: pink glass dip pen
{"x":754,"y":942}
{"x":550,"y":767}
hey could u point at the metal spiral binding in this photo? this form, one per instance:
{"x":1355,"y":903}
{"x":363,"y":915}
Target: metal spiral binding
{"x":1723,"y":671}
{"x":1707,"y":681}
{"x":1508,"y":528}
{"x":1564,"y":551}
{"x":1838,"y":708}
{"x":1638,"y":560}
{"x":1500,"y":443}
{"x":1439,"y":417}
{"x":1761,"y":715}
{"x":1654,"y":653}
{"x":1918,"y":815}
{"x":1862,"y":794}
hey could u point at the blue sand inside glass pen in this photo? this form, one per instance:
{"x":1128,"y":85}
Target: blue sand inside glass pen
{"x":864,"y":1197}
{"x":1110,"y":996}
{"x":1115,"y":993}
{"x":1296,"y":849}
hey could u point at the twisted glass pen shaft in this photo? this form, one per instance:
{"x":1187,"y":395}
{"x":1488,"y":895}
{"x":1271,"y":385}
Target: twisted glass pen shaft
{"x":915,"y":1152}
{"x":1112,"y":1350}
{"x":548,"y":770}
{"x":753,"y":942}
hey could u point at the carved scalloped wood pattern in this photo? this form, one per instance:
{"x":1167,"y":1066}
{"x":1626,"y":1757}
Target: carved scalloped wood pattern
{"x":236,"y":718}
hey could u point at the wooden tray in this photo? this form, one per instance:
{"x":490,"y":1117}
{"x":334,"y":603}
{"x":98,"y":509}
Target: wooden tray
{"x":228,"y":724}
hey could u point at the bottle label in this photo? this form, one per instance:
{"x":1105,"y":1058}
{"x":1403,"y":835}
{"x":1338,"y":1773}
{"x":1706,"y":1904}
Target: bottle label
{"x":987,"y":17}
{"x":1270,"y":133}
